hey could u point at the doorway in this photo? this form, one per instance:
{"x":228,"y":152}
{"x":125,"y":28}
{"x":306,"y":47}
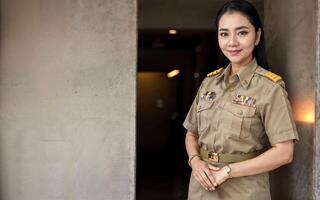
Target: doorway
{"x":172,"y":36}
{"x":163,"y":101}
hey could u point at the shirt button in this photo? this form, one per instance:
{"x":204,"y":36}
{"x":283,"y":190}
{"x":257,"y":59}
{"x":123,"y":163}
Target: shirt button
{"x":240,"y":112}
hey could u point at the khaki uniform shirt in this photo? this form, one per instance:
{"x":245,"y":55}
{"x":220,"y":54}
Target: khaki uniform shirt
{"x":240,"y":115}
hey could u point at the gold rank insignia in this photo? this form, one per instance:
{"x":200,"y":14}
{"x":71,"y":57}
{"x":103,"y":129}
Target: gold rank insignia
{"x":244,"y":100}
{"x":215,"y":72}
{"x":274,"y":77}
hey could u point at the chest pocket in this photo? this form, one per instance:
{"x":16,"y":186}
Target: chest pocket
{"x":238,"y":120}
{"x":203,"y":110}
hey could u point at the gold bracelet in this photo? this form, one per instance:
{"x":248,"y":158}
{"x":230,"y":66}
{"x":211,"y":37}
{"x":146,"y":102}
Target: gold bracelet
{"x":192,"y":157}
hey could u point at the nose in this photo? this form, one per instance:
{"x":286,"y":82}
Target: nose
{"x":233,"y":40}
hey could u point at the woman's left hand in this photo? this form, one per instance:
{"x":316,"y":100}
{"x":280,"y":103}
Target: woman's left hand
{"x":220,"y":176}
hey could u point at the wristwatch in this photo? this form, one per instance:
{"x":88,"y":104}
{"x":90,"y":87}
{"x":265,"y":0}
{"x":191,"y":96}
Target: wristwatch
{"x":228,"y":170}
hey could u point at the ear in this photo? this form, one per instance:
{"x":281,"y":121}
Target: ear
{"x":258,"y":35}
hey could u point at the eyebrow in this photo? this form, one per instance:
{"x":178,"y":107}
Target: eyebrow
{"x":238,"y":28}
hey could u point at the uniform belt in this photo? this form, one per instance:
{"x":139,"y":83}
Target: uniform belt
{"x":212,"y":157}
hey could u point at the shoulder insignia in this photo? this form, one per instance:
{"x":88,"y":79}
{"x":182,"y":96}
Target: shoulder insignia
{"x":274,"y":77}
{"x":215,"y":72}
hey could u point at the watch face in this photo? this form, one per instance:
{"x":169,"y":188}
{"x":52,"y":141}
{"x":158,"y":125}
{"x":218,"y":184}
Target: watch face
{"x":228,"y":169}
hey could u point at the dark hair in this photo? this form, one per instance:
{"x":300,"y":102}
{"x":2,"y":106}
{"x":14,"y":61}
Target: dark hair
{"x":251,"y":13}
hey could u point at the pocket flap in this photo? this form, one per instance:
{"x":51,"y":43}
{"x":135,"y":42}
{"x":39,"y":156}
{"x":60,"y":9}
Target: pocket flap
{"x":204,"y":105}
{"x":241,"y":111}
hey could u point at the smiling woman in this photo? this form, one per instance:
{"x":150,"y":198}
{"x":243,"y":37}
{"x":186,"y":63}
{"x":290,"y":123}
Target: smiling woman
{"x":237,"y":39}
{"x":238,"y":110}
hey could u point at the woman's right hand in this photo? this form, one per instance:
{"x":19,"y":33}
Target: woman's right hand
{"x":201,"y":172}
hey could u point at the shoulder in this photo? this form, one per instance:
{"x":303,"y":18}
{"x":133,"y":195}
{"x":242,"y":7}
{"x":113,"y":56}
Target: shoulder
{"x":269,"y":77}
{"x":211,"y":78}
{"x":215,"y":73}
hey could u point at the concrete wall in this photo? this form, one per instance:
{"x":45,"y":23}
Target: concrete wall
{"x":182,"y":14}
{"x":67,"y":99}
{"x":316,"y":162}
{"x":291,"y":44}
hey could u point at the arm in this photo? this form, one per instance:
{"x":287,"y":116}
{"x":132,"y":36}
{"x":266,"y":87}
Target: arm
{"x":278,"y":155}
{"x":276,"y":116}
{"x":200,"y":169}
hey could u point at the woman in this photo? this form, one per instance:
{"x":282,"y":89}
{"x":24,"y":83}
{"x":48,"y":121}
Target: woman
{"x":237,"y":113}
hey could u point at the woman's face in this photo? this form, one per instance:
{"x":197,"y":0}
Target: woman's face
{"x":237,"y":37}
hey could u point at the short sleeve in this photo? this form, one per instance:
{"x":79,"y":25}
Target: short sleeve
{"x":277,"y":116}
{"x":190,"y":123}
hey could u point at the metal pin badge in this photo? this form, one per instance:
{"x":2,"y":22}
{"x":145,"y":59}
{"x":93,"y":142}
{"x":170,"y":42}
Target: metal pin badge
{"x":209,"y":95}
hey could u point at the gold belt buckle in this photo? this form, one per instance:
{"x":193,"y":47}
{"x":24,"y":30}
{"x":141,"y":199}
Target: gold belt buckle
{"x":212,"y":156}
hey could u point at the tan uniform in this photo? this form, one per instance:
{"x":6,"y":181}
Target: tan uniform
{"x":236,"y":117}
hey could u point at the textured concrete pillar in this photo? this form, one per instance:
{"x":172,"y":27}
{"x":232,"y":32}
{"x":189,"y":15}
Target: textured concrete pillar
{"x":316,"y":163}
{"x":291,"y":44}
{"x":67,"y":99}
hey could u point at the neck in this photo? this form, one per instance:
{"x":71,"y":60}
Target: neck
{"x":236,"y":67}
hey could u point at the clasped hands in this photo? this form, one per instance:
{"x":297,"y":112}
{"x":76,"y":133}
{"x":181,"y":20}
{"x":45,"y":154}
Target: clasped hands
{"x":208,"y":175}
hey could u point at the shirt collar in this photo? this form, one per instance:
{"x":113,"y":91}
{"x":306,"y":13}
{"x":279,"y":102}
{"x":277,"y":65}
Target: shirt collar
{"x":245,"y":74}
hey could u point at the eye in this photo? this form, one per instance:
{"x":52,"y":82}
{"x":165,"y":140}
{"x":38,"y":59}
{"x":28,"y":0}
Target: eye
{"x":223,"y":34}
{"x":242,"y":33}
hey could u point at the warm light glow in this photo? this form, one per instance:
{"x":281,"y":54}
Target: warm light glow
{"x":308,"y":117}
{"x":304,"y":111}
{"x":173,"y":73}
{"x":173,"y":31}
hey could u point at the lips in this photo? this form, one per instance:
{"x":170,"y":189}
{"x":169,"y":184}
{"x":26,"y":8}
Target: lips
{"x":234,"y":52}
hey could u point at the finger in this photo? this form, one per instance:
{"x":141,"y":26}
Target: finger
{"x":211,"y":178}
{"x":206,"y":179}
{"x":202,"y":180}
{"x":214,"y":168}
{"x":198,"y":178}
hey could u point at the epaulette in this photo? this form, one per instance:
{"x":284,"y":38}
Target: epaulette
{"x":274,"y":77}
{"x":215,"y":72}
{"x":270,"y":75}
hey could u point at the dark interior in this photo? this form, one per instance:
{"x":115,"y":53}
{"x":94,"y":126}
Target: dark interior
{"x":162,"y":104}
